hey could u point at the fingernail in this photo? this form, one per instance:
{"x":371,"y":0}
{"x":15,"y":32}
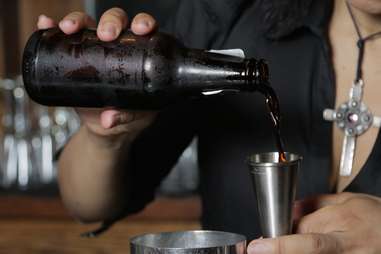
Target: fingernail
{"x":115,"y":121}
{"x":42,"y":16}
{"x":109,"y":29}
{"x":67,"y":23}
{"x":142,"y":24}
{"x":260,"y":247}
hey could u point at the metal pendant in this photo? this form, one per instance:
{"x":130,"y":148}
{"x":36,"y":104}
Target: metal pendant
{"x":353,"y":118}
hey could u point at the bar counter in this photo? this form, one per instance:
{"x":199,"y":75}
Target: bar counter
{"x":42,"y":225}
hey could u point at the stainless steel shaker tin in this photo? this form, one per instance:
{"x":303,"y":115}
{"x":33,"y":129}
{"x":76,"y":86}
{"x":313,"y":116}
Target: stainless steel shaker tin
{"x":189,"y":242}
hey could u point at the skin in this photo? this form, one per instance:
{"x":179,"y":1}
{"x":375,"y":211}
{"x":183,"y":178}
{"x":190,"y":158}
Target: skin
{"x":339,"y":223}
{"x":367,"y":7}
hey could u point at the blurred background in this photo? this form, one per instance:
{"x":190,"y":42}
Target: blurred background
{"x":32,"y":217}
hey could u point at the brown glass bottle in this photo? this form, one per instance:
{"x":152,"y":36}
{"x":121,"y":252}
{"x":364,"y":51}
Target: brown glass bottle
{"x":132,"y":72}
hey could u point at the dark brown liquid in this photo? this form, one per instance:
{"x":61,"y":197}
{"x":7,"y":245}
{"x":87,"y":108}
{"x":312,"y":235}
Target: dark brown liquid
{"x":272,"y":104}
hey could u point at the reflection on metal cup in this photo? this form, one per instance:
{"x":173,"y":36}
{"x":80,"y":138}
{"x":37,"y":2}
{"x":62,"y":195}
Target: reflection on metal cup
{"x":189,"y":242}
{"x":275,"y":187}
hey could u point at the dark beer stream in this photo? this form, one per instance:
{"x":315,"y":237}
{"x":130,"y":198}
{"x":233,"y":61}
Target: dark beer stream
{"x":272,"y":103}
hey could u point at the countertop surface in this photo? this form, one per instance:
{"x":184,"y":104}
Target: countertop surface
{"x":53,"y":237}
{"x":42,"y":225}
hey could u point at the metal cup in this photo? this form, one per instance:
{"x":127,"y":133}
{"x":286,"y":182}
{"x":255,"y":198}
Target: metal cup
{"x":275,"y":187}
{"x":189,"y":242}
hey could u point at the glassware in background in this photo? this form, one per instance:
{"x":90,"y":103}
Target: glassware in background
{"x":42,"y":143}
{"x":26,"y":175}
{"x":8,"y":154}
{"x":66,"y":122}
{"x":32,"y":135}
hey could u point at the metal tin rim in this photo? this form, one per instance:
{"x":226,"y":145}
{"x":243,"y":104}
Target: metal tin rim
{"x":239,"y":240}
{"x":292,"y":158}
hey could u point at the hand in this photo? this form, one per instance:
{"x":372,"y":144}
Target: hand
{"x":343,"y":223}
{"x":108,"y":124}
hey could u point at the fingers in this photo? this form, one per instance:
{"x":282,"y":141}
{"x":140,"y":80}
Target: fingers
{"x":111,"y":24}
{"x":115,"y":20}
{"x":324,"y":220}
{"x":45,"y":22}
{"x":143,"y":23}
{"x":105,"y":118}
{"x":72,"y":23}
{"x":75,"y":21}
{"x":111,"y":118}
{"x":134,"y":127}
{"x":303,"y":207}
{"x":332,"y":199}
{"x":297,"y":244}
{"x":342,"y":216}
{"x":320,"y":212}
{"x":111,"y":125}
{"x":309,"y":205}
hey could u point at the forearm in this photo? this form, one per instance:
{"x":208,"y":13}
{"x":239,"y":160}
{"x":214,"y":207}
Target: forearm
{"x":91,"y":177}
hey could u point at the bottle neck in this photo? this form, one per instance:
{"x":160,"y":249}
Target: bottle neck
{"x":256,"y":74}
{"x":206,"y":71}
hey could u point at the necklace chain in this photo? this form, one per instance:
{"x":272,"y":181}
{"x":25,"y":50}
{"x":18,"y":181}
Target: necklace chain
{"x":360,"y":43}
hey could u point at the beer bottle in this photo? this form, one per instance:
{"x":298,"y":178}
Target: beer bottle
{"x":132,"y":72}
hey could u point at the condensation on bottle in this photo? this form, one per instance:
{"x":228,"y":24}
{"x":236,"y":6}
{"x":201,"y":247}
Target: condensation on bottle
{"x":131,"y":72}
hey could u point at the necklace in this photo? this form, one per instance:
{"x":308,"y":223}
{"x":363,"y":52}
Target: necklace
{"x":353,"y":117}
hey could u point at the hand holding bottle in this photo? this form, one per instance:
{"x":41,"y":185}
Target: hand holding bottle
{"x":132,"y":72}
{"x":108,"y":124}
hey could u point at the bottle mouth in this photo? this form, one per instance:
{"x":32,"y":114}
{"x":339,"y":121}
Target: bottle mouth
{"x":257,"y":71}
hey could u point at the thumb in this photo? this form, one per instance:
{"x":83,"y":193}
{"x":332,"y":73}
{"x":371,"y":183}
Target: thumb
{"x":296,"y":244}
{"x":110,"y":118}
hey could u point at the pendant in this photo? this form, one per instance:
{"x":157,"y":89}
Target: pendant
{"x":354,"y":118}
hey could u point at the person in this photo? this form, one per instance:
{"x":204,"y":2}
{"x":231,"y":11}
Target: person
{"x":112,"y":165}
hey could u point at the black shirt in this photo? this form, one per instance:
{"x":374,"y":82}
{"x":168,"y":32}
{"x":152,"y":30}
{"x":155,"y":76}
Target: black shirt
{"x":230,"y":128}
